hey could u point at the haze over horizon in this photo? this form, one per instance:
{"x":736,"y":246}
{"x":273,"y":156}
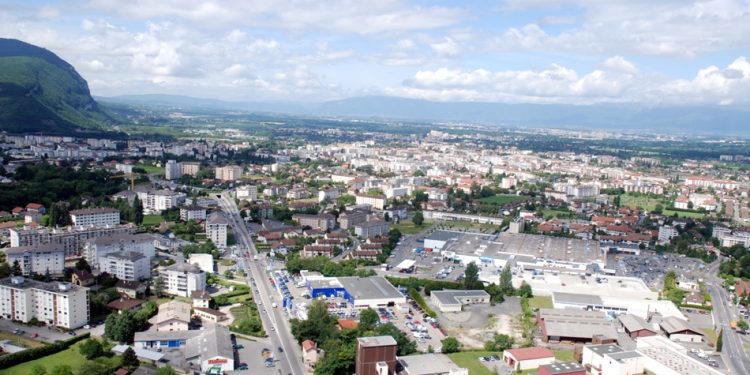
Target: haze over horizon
{"x":541,"y":51}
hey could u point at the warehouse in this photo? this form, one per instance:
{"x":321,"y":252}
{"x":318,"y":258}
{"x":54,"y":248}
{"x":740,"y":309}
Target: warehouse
{"x":454,"y":300}
{"x":640,"y":307}
{"x":359,"y":291}
{"x":575,"y":326}
{"x":439,"y":239}
{"x":522,"y":359}
{"x":679,"y":330}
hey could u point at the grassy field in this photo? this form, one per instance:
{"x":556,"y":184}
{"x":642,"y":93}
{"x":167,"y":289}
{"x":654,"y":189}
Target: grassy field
{"x":646,"y":203}
{"x":711,"y":335}
{"x":502,"y":199}
{"x":557,"y":213}
{"x":20,"y":340}
{"x":71,"y":357}
{"x":694,"y":215}
{"x":470,"y":361}
{"x":564,"y":355}
{"x":540,"y":302}
{"x":150,"y":169}
{"x":152,"y":219}
{"x":408,"y":227}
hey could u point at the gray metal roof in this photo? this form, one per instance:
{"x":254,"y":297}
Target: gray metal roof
{"x":375,"y":341}
{"x":41,"y":248}
{"x":214,"y":341}
{"x":448,"y":296}
{"x":634,"y":323}
{"x":619,"y":356}
{"x":139,"y":352}
{"x":153,"y":335}
{"x":374,"y":287}
{"x":562,"y":367}
{"x":605,"y":349}
{"x":443,"y":235}
{"x":672,"y":325}
{"x":576,"y":299}
{"x":427,"y":364}
{"x":577,"y":323}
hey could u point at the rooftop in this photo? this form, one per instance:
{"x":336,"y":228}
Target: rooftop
{"x":525,"y":354}
{"x":217,"y":219}
{"x":427,"y":364}
{"x":562,"y":367}
{"x":98,"y":210}
{"x":213,"y":341}
{"x":376,"y":341}
{"x":576,"y":299}
{"x":577,"y":323}
{"x":672,"y":325}
{"x":442,"y":235}
{"x":20,"y":282}
{"x":121,"y":238}
{"x":374,"y":287}
{"x":41,"y":248}
{"x":605,"y":349}
{"x":173,"y":310}
{"x":448,"y":296}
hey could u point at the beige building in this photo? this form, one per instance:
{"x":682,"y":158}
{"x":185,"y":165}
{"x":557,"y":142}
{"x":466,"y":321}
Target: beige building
{"x":229,"y":173}
{"x":190,"y":168}
{"x":56,"y":304}
{"x":216,"y":229}
{"x":377,"y":202}
{"x":173,"y":316}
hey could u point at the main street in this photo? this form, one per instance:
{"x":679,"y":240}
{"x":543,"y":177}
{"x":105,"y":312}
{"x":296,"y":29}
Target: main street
{"x":274,"y":323}
{"x":733,"y":352}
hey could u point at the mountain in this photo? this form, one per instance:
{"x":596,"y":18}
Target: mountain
{"x":188,"y":102}
{"x":41,"y":93}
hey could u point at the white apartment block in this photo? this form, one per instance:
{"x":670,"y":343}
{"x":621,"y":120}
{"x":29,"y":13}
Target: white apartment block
{"x":55,"y":304}
{"x":97,"y":248}
{"x":182,"y":279}
{"x":190,"y":168}
{"x":229,"y":173}
{"x":124,"y":168}
{"x":156,"y":201}
{"x":193,"y":212}
{"x":129,"y":265}
{"x":172,"y":170}
{"x":72,"y":239}
{"x":216,"y":229}
{"x":38,"y":259}
{"x":377,"y":202}
{"x":247,"y":192}
{"x":95,"y":217}
{"x":666,"y":233}
{"x":329,"y":194}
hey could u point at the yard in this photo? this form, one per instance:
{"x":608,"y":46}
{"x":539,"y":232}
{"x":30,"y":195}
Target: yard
{"x":686,"y":214}
{"x":19,"y":340}
{"x":71,"y":357}
{"x":540,"y":302}
{"x":470,"y":361}
{"x":150,"y":169}
{"x":564,"y":355}
{"x":408,"y":227}
{"x":152,"y":220}
{"x":646,"y":203}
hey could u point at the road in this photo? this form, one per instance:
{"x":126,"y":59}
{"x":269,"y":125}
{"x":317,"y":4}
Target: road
{"x":290,"y":361}
{"x":732,"y":353}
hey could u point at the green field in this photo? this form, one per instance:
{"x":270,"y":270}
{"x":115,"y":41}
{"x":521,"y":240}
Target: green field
{"x":502,"y":199}
{"x":470,"y":361}
{"x":19,"y":340}
{"x":540,"y":302}
{"x":71,"y":357}
{"x":152,"y":219}
{"x":150,"y":169}
{"x":687,"y":214}
{"x":646,"y":203}
{"x":408,"y":227}
{"x":564,"y":355}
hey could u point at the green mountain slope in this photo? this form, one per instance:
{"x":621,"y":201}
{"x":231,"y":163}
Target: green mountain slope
{"x":41,"y":93}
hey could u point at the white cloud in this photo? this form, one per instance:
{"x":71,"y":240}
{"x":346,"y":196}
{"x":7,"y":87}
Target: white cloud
{"x":447,"y":47}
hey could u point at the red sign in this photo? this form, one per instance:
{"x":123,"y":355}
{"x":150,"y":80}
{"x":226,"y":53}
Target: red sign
{"x":217,"y":361}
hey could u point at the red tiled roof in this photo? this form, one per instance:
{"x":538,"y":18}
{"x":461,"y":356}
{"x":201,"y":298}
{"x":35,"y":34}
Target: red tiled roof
{"x":308,"y":345}
{"x":525,"y":354}
{"x":347,"y":324}
{"x":34,"y":206}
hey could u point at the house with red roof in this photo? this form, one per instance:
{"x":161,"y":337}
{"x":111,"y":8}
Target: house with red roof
{"x":522,"y":359}
{"x":35,"y":207}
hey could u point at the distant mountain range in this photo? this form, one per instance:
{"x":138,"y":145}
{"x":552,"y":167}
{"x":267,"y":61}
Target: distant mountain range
{"x":41,"y":93}
{"x":700,"y":120}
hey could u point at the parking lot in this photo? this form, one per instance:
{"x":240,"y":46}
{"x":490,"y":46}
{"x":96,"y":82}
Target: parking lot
{"x":249,"y":354}
{"x":652,"y":267}
{"x":426,"y":331}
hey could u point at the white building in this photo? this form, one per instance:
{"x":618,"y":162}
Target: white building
{"x":329,"y":194}
{"x":229,"y":173}
{"x":38,"y":259}
{"x":172,"y":170}
{"x":247,"y":192}
{"x":181,"y":279}
{"x":193,"y":212}
{"x":216,"y":229}
{"x":173,"y":316}
{"x":666,"y":233}
{"x":95,"y":217}
{"x":97,"y":248}
{"x":377,"y":202}
{"x":55,"y":304}
{"x":156,"y":201}
{"x":71,"y":238}
{"x":212,"y":349}
{"x":190,"y":168}
{"x":453,"y":300}
{"x":128,"y":265}
{"x":204,"y":261}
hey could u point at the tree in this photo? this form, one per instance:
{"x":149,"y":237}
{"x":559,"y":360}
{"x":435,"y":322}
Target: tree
{"x":38,"y":370}
{"x":450,"y":345}
{"x":525,"y":290}
{"x":159,"y":286}
{"x":506,"y":281}
{"x":387,"y":216}
{"x":499,"y":343}
{"x":720,"y":341}
{"x":471,"y":277}
{"x":120,"y":326}
{"x":61,"y":370}
{"x":418,"y":218}
{"x":82,"y":264}
{"x":91,"y":349}
{"x":368,"y":319}
{"x":670,"y":280}
{"x":130,"y":360}
{"x":15,"y":269}
{"x":94,"y":368}
{"x":742,"y":324}
{"x":137,"y":211}
{"x":166,"y":370}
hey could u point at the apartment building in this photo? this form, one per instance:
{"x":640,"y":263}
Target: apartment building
{"x":72,"y":239}
{"x":372,"y":228}
{"x":97,"y":248}
{"x":247,"y":192}
{"x":349,"y":219}
{"x":56,"y":304}
{"x":95,"y":217}
{"x":376,"y":201}
{"x":192,"y":212}
{"x":156,"y":201}
{"x":228,"y":173}
{"x":182,"y":279}
{"x":126,"y":265}
{"x":190,"y":168}
{"x":38,"y":259}
{"x":323,"y":222}
{"x":172,"y":170}
{"x":328,"y":194}
{"x":216,"y":229}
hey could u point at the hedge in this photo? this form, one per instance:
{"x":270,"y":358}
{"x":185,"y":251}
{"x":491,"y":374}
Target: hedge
{"x":414,"y":294}
{"x":427,"y":284}
{"x":36,"y":353}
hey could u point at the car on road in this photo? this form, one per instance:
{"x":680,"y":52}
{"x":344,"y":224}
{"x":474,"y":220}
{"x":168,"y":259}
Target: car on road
{"x":238,"y":346}
{"x":273,"y":328}
{"x":281,"y":350}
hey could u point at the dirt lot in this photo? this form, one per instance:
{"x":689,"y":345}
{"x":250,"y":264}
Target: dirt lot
{"x":477,"y":324}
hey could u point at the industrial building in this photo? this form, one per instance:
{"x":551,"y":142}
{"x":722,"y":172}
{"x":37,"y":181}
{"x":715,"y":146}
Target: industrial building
{"x":640,"y":307}
{"x":430,"y":364}
{"x":361,"y":292}
{"x":453,"y":300}
{"x":578,"y":326}
{"x":522,"y":359}
{"x":680,"y":330}
{"x":376,"y":355}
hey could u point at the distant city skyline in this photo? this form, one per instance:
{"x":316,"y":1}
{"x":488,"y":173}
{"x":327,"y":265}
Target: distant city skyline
{"x":517,"y":51}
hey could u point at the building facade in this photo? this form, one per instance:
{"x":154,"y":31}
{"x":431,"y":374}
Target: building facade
{"x":39,"y":259}
{"x":56,"y":304}
{"x":95,"y":217}
{"x":129,"y":265}
{"x":216,"y":229}
{"x":182,"y":279}
{"x":72,"y":239}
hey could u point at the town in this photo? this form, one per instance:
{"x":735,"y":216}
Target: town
{"x":325,"y":249}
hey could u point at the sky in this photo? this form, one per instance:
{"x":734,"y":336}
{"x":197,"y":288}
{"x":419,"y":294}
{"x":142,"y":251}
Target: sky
{"x":664,"y":52}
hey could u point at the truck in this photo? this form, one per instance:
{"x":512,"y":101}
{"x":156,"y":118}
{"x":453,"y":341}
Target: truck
{"x":733,"y":325}
{"x":274,"y":305}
